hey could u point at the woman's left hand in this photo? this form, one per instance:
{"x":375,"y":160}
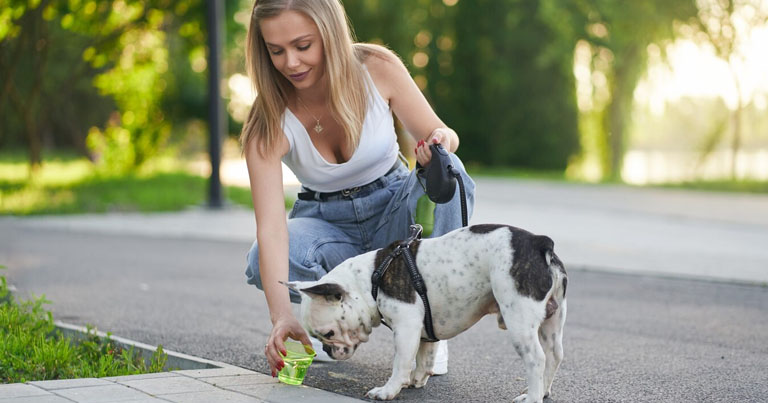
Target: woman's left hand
{"x":442,"y":135}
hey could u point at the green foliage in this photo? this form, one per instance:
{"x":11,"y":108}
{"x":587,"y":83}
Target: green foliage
{"x":497,"y":72}
{"x":122,"y":72}
{"x":618,"y":34}
{"x":32,"y":349}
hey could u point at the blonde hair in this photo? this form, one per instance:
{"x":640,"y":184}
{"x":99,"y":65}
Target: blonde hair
{"x":343,"y":65}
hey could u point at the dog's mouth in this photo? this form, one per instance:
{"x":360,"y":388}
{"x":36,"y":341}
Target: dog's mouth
{"x":339,"y":352}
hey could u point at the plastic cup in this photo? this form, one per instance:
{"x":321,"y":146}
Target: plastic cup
{"x":297,"y":361}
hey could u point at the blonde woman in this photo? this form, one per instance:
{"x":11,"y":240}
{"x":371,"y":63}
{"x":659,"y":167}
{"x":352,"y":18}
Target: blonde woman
{"x":324,"y":108}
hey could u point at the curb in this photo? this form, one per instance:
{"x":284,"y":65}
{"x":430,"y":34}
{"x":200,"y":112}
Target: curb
{"x":176,"y":360}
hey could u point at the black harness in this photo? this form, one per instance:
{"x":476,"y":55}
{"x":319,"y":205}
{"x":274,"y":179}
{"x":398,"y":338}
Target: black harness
{"x":403,"y":250}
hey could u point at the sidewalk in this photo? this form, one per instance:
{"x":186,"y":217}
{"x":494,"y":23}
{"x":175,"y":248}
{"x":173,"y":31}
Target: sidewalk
{"x":229,"y":384}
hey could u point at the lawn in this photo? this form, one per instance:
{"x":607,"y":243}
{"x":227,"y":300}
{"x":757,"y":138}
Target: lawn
{"x":69,"y":185}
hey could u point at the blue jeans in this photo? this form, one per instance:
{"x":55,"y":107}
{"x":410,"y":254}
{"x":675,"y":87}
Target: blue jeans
{"x":322,"y":234}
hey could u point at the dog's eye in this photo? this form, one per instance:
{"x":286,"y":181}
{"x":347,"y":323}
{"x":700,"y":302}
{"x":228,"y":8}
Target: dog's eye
{"x":328,"y":335}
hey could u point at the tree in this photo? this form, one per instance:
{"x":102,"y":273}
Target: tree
{"x":726,"y":25}
{"x":618,"y":34}
{"x":113,"y":78}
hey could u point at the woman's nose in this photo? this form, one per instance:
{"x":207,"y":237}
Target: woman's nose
{"x":293,"y":59}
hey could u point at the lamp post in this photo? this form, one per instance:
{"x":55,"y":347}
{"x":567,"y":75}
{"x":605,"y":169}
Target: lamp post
{"x":216,"y":118}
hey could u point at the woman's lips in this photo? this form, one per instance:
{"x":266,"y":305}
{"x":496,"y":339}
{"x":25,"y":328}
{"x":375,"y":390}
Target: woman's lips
{"x":299,"y":76}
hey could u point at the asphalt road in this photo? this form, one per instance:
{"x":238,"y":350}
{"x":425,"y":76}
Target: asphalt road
{"x":628,"y":338}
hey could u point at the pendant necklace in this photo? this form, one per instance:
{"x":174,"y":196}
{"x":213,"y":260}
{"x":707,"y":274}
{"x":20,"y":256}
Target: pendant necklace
{"x":318,"y":127}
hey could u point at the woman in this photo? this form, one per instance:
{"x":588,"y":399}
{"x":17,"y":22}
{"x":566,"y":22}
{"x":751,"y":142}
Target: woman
{"x":324,"y":107}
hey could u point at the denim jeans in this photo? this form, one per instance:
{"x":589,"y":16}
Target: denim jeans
{"x":322,"y":234}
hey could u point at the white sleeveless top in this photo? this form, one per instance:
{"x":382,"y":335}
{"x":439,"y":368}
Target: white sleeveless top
{"x":374,"y":156}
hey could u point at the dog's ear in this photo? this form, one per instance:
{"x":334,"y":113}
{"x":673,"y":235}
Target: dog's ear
{"x":293,"y":285}
{"x":332,"y":292}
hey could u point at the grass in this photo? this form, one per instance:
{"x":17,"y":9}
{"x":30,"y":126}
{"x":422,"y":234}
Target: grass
{"x":69,"y":185}
{"x":32,"y":349}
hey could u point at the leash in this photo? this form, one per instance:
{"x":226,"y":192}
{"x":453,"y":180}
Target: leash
{"x":403,"y":249}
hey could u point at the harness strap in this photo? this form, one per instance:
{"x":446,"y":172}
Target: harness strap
{"x":403,"y":249}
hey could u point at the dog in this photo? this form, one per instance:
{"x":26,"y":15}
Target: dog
{"x":469,"y":273}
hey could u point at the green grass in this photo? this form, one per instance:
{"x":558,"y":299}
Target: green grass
{"x":32,"y":349}
{"x":69,"y":185}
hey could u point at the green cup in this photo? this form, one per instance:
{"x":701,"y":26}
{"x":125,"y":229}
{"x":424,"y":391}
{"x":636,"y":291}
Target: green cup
{"x":297,"y":360}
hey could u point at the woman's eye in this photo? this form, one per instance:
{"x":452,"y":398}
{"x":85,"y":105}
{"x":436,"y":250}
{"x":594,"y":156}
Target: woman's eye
{"x":276,"y":52}
{"x":302,"y":48}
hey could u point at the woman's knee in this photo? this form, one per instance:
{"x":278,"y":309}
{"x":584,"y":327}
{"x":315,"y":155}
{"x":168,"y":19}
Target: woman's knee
{"x":252,"y":274}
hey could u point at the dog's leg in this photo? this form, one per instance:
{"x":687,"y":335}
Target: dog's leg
{"x":551,"y":338}
{"x":407,"y":337}
{"x":522,"y":316}
{"x":425,"y":360}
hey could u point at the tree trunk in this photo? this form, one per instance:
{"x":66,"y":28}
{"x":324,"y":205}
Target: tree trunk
{"x":736,"y":141}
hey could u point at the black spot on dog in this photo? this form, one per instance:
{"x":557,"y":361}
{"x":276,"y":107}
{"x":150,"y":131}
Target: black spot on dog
{"x":396,"y":281}
{"x":485,"y":228}
{"x":328,"y":335}
{"x":529,"y":267}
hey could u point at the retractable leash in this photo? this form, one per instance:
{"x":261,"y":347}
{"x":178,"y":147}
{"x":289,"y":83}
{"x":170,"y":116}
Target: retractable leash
{"x":441,"y":177}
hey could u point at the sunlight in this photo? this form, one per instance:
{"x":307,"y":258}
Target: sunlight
{"x":693,"y":70}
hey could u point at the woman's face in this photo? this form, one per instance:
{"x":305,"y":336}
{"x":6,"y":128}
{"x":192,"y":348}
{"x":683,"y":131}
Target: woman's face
{"x":295,"y":47}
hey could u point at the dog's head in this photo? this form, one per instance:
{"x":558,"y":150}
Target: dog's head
{"x":335,"y":316}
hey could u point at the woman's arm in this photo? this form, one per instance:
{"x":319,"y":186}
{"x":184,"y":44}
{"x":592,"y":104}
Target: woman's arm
{"x":266,"y":176}
{"x":410,"y":106}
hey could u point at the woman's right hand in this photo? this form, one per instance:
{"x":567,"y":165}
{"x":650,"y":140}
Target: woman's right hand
{"x":284,"y":327}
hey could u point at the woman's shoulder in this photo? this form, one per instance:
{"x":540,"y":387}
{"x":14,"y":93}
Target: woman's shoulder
{"x":377,"y":57}
{"x":384,"y":66}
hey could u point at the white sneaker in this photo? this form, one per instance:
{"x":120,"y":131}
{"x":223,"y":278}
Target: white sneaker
{"x":321,"y":355}
{"x":441,"y":358}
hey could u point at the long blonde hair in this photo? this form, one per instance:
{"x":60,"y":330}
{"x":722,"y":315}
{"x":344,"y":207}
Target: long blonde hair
{"x":343,"y":65}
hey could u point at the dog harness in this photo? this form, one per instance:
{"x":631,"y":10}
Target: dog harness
{"x":403,"y":250}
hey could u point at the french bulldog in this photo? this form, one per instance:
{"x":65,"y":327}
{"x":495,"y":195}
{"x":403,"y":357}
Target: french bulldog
{"x":469,"y":273}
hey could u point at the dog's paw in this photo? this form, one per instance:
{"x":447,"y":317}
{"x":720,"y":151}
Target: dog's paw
{"x":419,"y":380}
{"x":381,"y":393}
{"x":524,"y":399}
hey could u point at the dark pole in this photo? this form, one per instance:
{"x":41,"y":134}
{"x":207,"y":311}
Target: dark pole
{"x":216,"y":118}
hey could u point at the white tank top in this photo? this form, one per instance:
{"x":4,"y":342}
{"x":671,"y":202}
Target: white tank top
{"x":375,"y":154}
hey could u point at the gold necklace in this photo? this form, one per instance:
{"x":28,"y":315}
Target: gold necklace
{"x":318,"y":127}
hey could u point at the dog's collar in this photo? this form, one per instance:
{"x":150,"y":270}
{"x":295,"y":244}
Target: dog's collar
{"x":403,"y":249}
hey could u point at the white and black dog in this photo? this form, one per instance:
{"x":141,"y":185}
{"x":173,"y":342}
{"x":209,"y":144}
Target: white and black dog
{"x":469,"y":273}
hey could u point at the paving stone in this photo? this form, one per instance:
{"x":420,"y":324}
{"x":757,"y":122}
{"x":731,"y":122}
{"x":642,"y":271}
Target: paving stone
{"x":98,"y":394}
{"x":281,"y":393}
{"x":37,"y":399}
{"x":162,"y":386}
{"x":215,"y":396}
{"x":205,"y":373}
{"x":70,"y":383}
{"x":20,"y":390}
{"x":224,"y":381}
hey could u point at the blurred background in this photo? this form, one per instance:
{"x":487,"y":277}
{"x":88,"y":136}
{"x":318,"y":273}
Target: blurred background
{"x":104,"y":104}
